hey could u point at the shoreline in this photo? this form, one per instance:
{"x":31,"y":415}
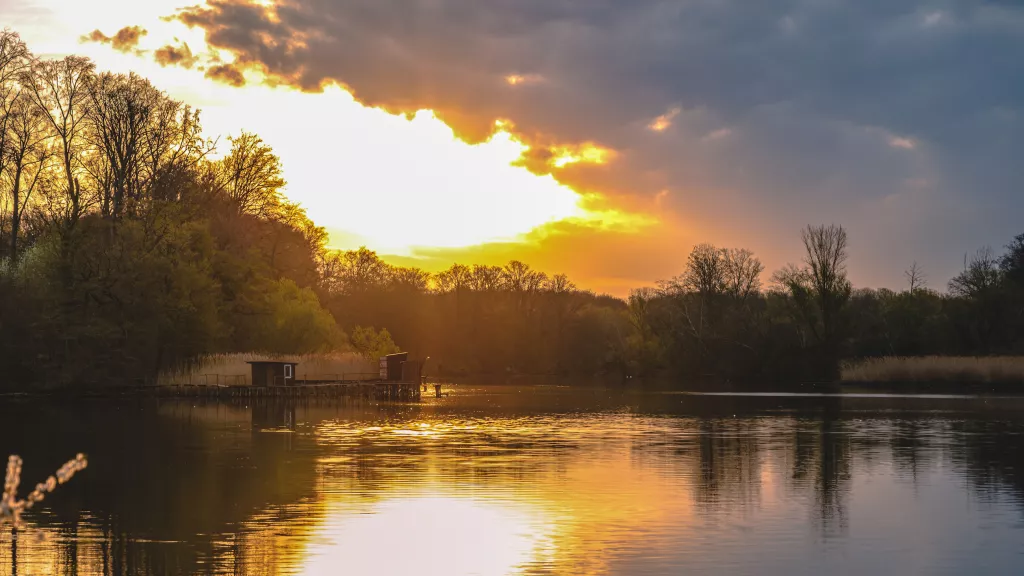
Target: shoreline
{"x":838,"y":388}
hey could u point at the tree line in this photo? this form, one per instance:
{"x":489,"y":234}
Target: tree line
{"x":129,"y":246}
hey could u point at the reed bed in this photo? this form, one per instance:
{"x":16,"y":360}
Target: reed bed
{"x":232,"y":369}
{"x":979,"y":370}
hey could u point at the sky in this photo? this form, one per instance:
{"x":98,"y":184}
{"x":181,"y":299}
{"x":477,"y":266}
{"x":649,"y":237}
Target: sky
{"x":598,"y":138}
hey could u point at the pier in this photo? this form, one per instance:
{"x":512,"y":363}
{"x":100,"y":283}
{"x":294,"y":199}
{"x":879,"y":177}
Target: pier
{"x":399,"y":379}
{"x":372,"y":389}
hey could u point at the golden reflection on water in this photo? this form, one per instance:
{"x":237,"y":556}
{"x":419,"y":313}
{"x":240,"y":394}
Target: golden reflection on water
{"x":420,"y":491}
{"x":430,"y":535}
{"x":483,"y":496}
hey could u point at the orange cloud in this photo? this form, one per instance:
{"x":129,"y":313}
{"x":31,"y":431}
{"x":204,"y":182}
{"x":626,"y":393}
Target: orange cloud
{"x":176,"y":56}
{"x":228,"y":74}
{"x":124,"y":40}
{"x":664,"y":122}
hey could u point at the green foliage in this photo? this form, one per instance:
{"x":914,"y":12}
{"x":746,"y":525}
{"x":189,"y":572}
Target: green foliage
{"x":371,"y":344}
{"x":136,"y":253}
{"x":126,"y":250}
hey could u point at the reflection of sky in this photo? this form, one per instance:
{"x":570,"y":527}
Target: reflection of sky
{"x":624,"y":495}
{"x":424,"y":492}
{"x":428,"y":535}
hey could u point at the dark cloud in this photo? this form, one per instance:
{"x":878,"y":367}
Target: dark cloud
{"x":226,"y":73}
{"x":900,"y":118}
{"x":176,"y":56}
{"x":124,"y":40}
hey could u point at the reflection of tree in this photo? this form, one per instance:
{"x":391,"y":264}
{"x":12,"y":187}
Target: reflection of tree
{"x":819,"y":455}
{"x":198,"y":488}
{"x":164,"y":489}
{"x":832,"y":487}
{"x":991,"y":451}
{"x":729,"y":464}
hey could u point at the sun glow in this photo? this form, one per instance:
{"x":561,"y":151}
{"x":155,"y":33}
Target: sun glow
{"x":418,"y":184}
{"x":392,"y":182}
{"x":438,"y":535}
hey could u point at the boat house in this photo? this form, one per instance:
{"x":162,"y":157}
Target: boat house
{"x":268,"y":373}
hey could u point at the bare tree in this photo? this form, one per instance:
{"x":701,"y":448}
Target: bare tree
{"x":826,"y":258}
{"x":454,"y":280}
{"x":560,"y":284}
{"x":519,"y":277}
{"x":742,"y":272}
{"x":28,"y":153}
{"x":980,"y":275}
{"x":639,"y":306}
{"x":123,"y":107}
{"x":820,"y":288}
{"x":705,"y":271}
{"x":58,"y":89}
{"x":173,"y":147}
{"x":408,"y":279}
{"x":915,"y":277}
{"x":13,"y":60}
{"x":486,"y":278}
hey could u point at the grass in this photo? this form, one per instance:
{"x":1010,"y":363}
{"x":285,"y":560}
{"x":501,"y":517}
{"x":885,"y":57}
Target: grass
{"x":946,"y":369}
{"x":232,"y":368}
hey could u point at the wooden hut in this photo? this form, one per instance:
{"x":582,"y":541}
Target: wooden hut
{"x":267,"y":373}
{"x":391,"y":366}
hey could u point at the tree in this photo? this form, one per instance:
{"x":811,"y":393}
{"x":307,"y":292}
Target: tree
{"x":819,"y":290}
{"x":252,"y":176}
{"x":145,"y":140}
{"x":59,"y":90}
{"x":454,"y":280}
{"x":742,"y":272}
{"x":371,"y":344}
{"x":705,"y":271}
{"x":642,"y":344}
{"x":826,"y":248}
{"x":1011,"y":265}
{"x":981,"y":275}
{"x":13,"y":60}
{"x":486,"y":278}
{"x":27,"y":155}
{"x":354,"y":272}
{"x":915,"y":278}
{"x":519,"y":277}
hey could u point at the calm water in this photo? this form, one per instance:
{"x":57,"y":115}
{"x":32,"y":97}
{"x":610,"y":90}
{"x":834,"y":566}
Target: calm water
{"x":493,"y":481}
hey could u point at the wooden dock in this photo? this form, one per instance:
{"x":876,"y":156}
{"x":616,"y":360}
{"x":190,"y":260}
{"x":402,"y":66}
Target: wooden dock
{"x":376,"y":390}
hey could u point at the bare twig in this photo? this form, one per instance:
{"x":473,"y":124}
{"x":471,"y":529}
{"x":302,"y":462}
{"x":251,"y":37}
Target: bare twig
{"x":11,"y":508}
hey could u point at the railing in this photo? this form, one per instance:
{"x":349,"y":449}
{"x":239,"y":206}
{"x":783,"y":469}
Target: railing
{"x":211,"y":380}
{"x":339,"y":376}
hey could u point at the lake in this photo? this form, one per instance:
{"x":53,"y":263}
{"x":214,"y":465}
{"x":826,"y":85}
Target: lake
{"x":524,"y":480}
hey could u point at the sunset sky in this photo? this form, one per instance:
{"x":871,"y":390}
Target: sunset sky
{"x":598,"y":138}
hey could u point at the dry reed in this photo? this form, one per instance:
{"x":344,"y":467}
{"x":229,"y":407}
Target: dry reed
{"x":11,"y":508}
{"x":981,"y":370}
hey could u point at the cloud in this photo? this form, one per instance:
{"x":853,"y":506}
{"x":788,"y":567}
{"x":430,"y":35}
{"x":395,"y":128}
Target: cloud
{"x":664,"y":122}
{"x":905,"y":143}
{"x":226,"y":73}
{"x":124,"y":40}
{"x":775,"y":106}
{"x":522,"y":79}
{"x":175,"y":56}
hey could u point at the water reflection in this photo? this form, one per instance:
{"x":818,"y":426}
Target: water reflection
{"x":431,"y":534}
{"x":496,"y":481}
